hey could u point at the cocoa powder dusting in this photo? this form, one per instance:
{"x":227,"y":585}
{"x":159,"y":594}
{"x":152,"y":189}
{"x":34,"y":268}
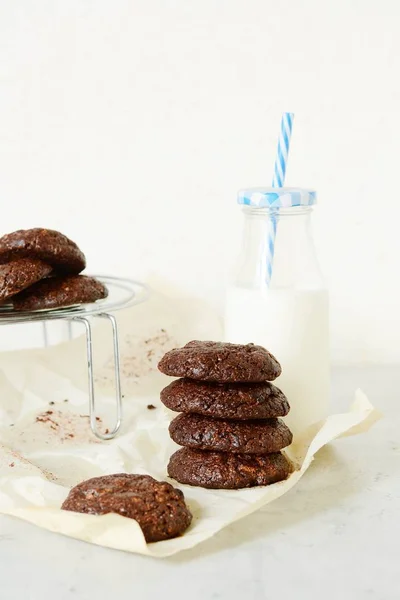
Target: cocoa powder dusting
{"x":139,"y":358}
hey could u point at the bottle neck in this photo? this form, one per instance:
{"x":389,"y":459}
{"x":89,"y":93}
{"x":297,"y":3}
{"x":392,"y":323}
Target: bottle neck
{"x":292,"y":211}
{"x":288,"y":232}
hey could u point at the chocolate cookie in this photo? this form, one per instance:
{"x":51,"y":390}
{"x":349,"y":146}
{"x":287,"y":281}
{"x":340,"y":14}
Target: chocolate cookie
{"x":247,"y":437}
{"x":57,"y":292}
{"x":19,"y":274}
{"x":50,"y":246}
{"x":158,"y":507}
{"x":226,"y":400}
{"x":222,"y":470}
{"x":222,"y":362}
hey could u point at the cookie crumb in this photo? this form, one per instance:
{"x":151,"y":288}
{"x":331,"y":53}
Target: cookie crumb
{"x":66,"y":400}
{"x":46,"y":418}
{"x":98,"y":419}
{"x":12,"y":464}
{"x":107,"y":431}
{"x":52,"y":403}
{"x":151,"y":406}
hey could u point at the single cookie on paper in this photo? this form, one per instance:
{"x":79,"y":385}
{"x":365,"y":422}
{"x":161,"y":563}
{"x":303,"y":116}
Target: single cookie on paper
{"x":223,"y":470}
{"x":226,"y":400}
{"x":157,"y":506}
{"x":221,"y":362}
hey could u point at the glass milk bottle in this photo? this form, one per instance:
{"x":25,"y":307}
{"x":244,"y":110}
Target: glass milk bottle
{"x":286,"y":311}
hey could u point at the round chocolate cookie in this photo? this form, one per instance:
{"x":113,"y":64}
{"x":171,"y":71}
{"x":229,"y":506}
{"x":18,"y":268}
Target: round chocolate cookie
{"x":47,"y":245}
{"x":222,"y":470}
{"x":222,"y":362}
{"x":57,"y":292}
{"x":226,"y":400}
{"x":247,"y":437}
{"x":19,"y":274}
{"x":158,"y":507}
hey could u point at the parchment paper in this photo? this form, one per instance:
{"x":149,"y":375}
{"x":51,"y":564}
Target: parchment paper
{"x":46,"y":445}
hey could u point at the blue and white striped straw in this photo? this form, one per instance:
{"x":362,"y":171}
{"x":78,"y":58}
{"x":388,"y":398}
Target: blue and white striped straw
{"x":278,"y":181}
{"x":283,"y":150}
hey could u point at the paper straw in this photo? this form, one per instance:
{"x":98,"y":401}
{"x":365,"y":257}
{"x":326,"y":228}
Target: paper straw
{"x":278,"y":181}
{"x":283,"y":150}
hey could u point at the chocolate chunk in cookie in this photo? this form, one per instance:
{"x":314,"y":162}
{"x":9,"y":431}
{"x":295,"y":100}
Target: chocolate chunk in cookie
{"x":222,"y":470}
{"x":158,"y":507}
{"x":246,"y":437}
{"x":217,"y":361}
{"x":19,"y":274}
{"x":50,"y":246}
{"x":226,"y":400}
{"x":57,"y":292}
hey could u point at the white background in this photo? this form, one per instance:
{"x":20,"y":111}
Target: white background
{"x":130,"y":125}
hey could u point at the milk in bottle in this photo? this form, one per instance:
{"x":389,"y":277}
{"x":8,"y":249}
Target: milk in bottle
{"x":287,"y":312}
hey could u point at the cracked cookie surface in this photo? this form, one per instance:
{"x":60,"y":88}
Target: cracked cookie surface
{"x":157,"y":506}
{"x":48,"y":245}
{"x":221,"y":362}
{"x":247,"y":437}
{"x":19,"y":274}
{"x":226,"y":400}
{"x":57,"y":292}
{"x":222,"y":470}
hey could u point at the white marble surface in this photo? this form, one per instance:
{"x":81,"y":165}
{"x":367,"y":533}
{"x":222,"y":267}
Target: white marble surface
{"x":335,"y":535}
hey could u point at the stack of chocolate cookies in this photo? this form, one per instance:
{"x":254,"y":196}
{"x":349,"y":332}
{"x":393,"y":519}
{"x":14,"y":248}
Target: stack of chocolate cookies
{"x":229,"y":428}
{"x":39,"y":269}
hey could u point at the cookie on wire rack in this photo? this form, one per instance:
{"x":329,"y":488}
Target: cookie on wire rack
{"x":48,"y":245}
{"x":58,"y":292}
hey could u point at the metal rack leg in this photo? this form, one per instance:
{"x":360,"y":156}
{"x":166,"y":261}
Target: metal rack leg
{"x":92,"y":402}
{"x":45,"y":334}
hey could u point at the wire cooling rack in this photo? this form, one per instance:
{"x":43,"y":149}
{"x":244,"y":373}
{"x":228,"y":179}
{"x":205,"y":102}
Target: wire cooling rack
{"x":122,"y":293}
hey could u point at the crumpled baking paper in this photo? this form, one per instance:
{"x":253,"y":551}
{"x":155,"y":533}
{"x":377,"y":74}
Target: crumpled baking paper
{"x":46,"y":445}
